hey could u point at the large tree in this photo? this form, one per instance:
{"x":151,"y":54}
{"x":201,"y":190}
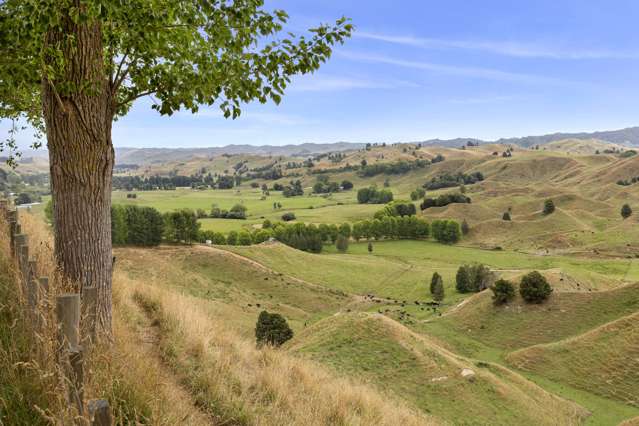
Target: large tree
{"x":71,"y":67}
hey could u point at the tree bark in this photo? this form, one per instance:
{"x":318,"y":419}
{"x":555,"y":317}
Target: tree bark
{"x":78,"y":122}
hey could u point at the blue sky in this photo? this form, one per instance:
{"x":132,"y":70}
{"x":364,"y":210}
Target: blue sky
{"x":421,"y":69}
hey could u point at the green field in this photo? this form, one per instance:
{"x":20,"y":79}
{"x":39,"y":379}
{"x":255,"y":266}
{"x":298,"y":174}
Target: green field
{"x":336,"y":208}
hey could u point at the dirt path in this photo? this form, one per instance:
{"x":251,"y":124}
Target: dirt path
{"x":181,"y":400}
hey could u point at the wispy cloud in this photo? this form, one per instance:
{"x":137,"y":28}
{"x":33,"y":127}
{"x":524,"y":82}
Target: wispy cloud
{"x":484,"y":100}
{"x":474,"y":72}
{"x":506,"y":48}
{"x":318,"y":83}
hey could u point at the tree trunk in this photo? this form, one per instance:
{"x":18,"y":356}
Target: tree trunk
{"x":78,"y":128}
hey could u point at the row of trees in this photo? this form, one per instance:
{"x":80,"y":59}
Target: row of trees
{"x":396,"y":168}
{"x":448,"y":180}
{"x":533,"y":288}
{"x":390,"y":227}
{"x":444,"y":200}
{"x":397,"y":208}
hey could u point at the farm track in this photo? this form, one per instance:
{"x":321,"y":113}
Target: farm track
{"x":148,"y":336}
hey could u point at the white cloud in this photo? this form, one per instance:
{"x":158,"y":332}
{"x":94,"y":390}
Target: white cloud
{"x":507,"y":48}
{"x":474,"y":72}
{"x":318,"y":83}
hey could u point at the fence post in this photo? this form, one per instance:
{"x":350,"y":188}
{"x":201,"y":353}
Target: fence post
{"x":12,"y":218}
{"x":99,"y":412}
{"x":89,"y":306}
{"x":70,"y":352}
{"x":42,"y":303}
{"x":23,"y":262}
{"x":18,"y":240}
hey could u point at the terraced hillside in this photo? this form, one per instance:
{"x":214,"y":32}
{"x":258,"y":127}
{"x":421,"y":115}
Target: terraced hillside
{"x":604,"y":360}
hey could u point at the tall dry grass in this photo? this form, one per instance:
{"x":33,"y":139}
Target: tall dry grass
{"x":240,"y":384}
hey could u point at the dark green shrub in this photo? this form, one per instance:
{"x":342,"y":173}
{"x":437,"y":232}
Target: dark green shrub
{"x":506,"y":216}
{"x":549,"y":207}
{"x":534,"y":288}
{"x":287,"y":217}
{"x":272,"y":329}
{"x":437,"y":287}
{"x":626,"y":211}
{"x":503,"y":292}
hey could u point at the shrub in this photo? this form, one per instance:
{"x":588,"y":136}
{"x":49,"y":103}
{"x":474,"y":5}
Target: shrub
{"x":272,"y":329}
{"x":626,"y":211}
{"x":437,"y":287}
{"x":506,"y":216}
{"x":372,"y":195}
{"x":370,"y":247}
{"x":417,"y":194}
{"x":244,"y":238}
{"x":341,"y":243}
{"x":397,"y":208}
{"x":23,"y":198}
{"x":534,"y":288}
{"x":444,"y":200}
{"x":218,"y":238}
{"x":549,"y":207}
{"x":231,"y":239}
{"x":345,"y":230}
{"x":346,"y":185}
{"x":462,"y":279}
{"x":287,"y":217}
{"x":503,"y":292}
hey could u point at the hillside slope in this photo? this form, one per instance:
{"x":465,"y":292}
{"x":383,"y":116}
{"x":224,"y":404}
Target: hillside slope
{"x":388,"y":354}
{"x":604,"y":360}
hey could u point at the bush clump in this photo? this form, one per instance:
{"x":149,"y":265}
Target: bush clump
{"x":534,"y":288}
{"x":272,"y":329}
{"x":503,"y":291}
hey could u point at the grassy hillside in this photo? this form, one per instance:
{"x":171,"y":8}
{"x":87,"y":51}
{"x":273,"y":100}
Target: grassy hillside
{"x":381,"y":351}
{"x":604,"y":360}
{"x":518,"y":325}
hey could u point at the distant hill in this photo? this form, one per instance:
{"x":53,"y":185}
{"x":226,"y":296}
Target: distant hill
{"x":627,"y":137}
{"x":162,"y":155}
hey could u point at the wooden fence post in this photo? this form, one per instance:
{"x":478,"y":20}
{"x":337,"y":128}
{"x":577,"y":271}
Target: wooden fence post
{"x":42,"y":303}
{"x":70,"y":353}
{"x":18,"y":240}
{"x":99,"y":412}
{"x":89,"y":306}
{"x":23,"y":263}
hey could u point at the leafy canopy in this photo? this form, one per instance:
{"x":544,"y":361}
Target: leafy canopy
{"x":186,"y":53}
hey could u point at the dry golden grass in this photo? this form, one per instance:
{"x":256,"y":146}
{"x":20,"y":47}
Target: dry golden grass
{"x":240,"y":384}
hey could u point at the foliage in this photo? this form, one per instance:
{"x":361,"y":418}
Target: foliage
{"x":181,"y":226}
{"x":397,"y":168}
{"x":534,"y":287}
{"x":23,"y":198}
{"x":372,"y":195}
{"x":342,"y":243}
{"x":418,"y":194}
{"x":626,"y":211}
{"x":135,"y":225}
{"x":289,"y":216}
{"x":231,"y":238}
{"x":390,"y":227}
{"x":244,"y":238}
{"x":272,"y":329}
{"x":346,"y":185}
{"x":397,"y":208}
{"x":294,"y":189}
{"x":549,"y":207}
{"x":448,"y":181}
{"x":503,"y":291}
{"x":446,"y":231}
{"x":506,"y":216}
{"x":473,"y":278}
{"x":370,"y":247}
{"x":238,"y":211}
{"x":437,"y":287}
{"x":223,"y":55}
{"x":444,"y":200}
{"x":299,"y":235}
